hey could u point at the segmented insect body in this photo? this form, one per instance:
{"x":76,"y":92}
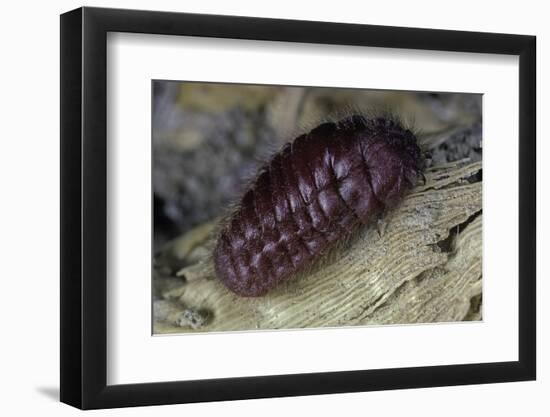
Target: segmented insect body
{"x":316,"y":190}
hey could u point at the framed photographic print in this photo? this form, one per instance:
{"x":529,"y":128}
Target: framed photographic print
{"x":257,"y":208}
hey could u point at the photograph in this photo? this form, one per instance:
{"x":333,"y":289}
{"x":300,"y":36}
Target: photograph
{"x":258,"y":207}
{"x":280,"y":207}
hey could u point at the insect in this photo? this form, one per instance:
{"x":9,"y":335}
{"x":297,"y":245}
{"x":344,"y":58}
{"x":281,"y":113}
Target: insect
{"x":316,"y":190}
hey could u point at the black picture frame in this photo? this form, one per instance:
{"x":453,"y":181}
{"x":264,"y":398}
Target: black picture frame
{"x":84,"y":207}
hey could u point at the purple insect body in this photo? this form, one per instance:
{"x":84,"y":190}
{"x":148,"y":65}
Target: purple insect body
{"x":316,"y":190}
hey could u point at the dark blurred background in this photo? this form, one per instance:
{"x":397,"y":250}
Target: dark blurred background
{"x":208,"y":139}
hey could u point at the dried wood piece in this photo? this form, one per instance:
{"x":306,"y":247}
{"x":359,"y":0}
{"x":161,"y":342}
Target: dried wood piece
{"x":426,"y":267}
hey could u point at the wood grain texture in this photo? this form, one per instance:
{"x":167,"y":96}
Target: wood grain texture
{"x":426,"y":267}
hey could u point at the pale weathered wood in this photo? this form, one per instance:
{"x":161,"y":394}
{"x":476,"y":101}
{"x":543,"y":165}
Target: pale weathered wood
{"x":426,"y":267}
